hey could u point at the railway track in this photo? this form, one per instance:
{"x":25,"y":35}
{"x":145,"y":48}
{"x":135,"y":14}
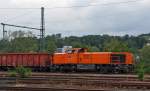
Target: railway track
{"x":48,"y":88}
{"x":64,"y":76}
{"x":78,"y":80}
{"x":86,"y":83}
{"x":6,"y":74}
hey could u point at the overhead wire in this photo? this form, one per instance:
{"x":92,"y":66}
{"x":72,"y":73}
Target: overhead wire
{"x":98,"y":4}
{"x":103,"y":4}
{"x":112,"y":3}
{"x":89,"y":5}
{"x":18,"y":16}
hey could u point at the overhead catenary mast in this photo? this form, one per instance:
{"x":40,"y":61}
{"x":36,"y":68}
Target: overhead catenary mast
{"x":4,"y":32}
{"x":42,"y":31}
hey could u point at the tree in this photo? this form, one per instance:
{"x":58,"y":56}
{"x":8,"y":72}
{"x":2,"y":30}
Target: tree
{"x":4,"y":45}
{"x":17,"y":34}
{"x":144,"y":65}
{"x":145,"y":54}
{"x":21,"y":41}
{"x":51,"y":46}
{"x":77,"y":44}
{"x":93,"y":49}
{"x":29,"y":34}
{"x":24,"y":44}
{"x":114,"y":45}
{"x":145,"y":57}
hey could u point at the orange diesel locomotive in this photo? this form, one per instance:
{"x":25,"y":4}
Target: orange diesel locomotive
{"x":101,"y":61}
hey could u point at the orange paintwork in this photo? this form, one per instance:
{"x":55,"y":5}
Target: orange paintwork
{"x":59,"y":58}
{"x":129,"y":58}
{"x":90,"y":58}
{"x":64,"y":58}
{"x":100,"y":58}
{"x":85,"y":58}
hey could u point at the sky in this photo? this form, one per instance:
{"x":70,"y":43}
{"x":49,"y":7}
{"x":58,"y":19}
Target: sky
{"x":97,"y":17}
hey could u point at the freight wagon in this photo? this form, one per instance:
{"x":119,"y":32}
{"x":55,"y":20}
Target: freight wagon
{"x":36,"y":61}
{"x":70,"y":60}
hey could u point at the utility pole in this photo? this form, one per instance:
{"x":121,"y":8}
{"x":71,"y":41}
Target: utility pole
{"x":42,"y":31}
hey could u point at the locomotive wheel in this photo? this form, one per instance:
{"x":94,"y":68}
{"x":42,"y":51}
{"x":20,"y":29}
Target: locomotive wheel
{"x":125,"y":70}
{"x":117,"y":70}
{"x":97,"y":68}
{"x":103,"y":70}
{"x":74,"y":68}
{"x":61,"y":68}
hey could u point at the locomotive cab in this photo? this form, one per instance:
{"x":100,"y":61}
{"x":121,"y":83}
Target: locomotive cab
{"x":79,"y":50}
{"x":118,"y":58}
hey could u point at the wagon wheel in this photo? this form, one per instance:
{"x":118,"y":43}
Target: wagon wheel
{"x":53,"y":68}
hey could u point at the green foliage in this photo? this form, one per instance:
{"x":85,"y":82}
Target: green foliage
{"x":141,"y":75}
{"x":145,"y":54}
{"x":141,"y":70}
{"x":20,"y":71}
{"x":93,"y":49}
{"x":4,"y":46}
{"x":26,"y":42}
{"x":23,"y":72}
{"x":50,"y":47}
{"x":144,"y":66}
{"x":12,"y":73}
{"x":114,"y":45}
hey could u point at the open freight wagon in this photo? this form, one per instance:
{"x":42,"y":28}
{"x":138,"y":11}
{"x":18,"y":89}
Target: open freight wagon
{"x":36,"y":61}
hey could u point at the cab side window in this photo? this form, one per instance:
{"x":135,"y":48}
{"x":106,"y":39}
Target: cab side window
{"x":119,"y":58}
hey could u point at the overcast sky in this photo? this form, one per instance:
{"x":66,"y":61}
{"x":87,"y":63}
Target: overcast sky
{"x":101,"y":17}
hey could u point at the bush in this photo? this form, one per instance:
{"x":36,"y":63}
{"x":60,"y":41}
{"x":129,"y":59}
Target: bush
{"x":140,"y":70}
{"x":21,"y":72}
{"x":141,"y":75}
{"x":12,"y":73}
